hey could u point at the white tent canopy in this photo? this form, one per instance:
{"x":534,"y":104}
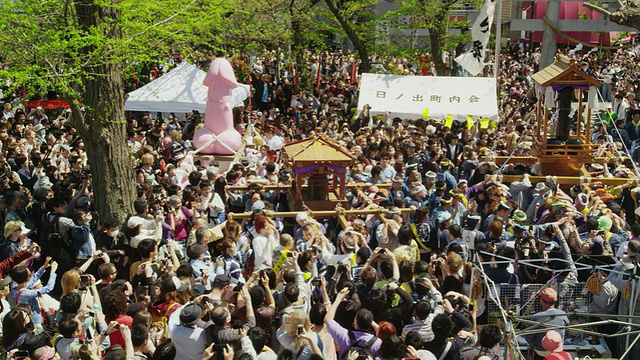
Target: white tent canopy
{"x":180,"y":90}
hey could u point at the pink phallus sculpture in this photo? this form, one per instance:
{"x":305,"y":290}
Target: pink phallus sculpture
{"x":218,"y":136}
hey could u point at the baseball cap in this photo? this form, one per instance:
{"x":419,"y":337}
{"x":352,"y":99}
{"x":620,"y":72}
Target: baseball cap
{"x":134,"y":221}
{"x":221,"y":281}
{"x":552,"y":341}
{"x":549,"y":295}
{"x":13,"y":226}
{"x":172,"y":283}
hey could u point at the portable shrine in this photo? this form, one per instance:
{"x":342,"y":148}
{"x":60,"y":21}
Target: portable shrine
{"x":322,"y":164}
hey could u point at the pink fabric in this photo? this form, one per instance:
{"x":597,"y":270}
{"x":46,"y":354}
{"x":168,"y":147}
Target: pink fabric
{"x":572,"y":11}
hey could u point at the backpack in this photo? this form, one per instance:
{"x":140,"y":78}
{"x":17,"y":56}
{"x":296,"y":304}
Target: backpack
{"x":51,"y":234}
{"x":160,"y":322}
{"x":359,"y":345}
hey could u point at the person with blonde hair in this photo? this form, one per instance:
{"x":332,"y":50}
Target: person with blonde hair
{"x":15,"y":234}
{"x":295,"y":334}
{"x":453,"y":281}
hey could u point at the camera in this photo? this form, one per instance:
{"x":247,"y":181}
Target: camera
{"x":84,"y":173}
{"x":21,"y":354}
{"x":316,"y":282}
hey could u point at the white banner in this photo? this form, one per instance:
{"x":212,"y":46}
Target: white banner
{"x":473,"y":60}
{"x":435,"y":96}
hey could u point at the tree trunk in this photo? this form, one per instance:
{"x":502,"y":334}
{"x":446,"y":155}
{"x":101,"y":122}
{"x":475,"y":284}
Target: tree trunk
{"x":363,"y":53}
{"x":435,"y":36}
{"x":297,"y":47}
{"x":102,"y":124}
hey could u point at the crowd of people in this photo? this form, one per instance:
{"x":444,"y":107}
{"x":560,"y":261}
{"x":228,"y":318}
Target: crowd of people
{"x":184,"y":277}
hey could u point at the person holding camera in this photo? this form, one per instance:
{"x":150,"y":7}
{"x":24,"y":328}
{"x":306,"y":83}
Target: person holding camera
{"x":26,"y":292}
{"x":295,"y":334}
{"x":82,"y":237}
{"x":362,"y":335}
{"x":221,"y":330}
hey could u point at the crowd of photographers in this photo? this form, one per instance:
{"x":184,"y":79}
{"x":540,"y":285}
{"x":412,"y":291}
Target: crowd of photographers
{"x":183,"y":278}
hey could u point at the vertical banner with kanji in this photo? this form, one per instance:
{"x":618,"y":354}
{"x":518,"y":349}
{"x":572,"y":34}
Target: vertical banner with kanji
{"x":473,"y":60}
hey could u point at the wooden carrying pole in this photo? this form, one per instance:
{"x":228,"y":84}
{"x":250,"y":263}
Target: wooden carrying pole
{"x":288,"y":186}
{"x":567,"y":180}
{"x":321,"y":213}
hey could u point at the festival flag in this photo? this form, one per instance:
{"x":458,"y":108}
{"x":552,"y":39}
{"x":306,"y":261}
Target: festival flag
{"x":296,"y":78}
{"x":353,"y":75}
{"x":470,"y":122}
{"x":425,"y":114}
{"x":448,"y":121}
{"x":473,"y":60}
{"x":318,"y":78}
{"x":484,"y":123}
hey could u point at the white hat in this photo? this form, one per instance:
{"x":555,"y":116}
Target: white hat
{"x":135,"y":221}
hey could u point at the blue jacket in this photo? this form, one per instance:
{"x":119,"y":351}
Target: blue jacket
{"x":29,"y":296}
{"x":83,"y":241}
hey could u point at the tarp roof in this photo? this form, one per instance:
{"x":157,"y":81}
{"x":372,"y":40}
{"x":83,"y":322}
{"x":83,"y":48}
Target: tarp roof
{"x":180,"y":90}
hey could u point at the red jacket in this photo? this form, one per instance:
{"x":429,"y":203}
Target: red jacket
{"x":8,"y":264}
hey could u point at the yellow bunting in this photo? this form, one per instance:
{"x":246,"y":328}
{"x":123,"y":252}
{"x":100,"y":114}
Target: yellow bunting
{"x":425,"y":113}
{"x":448,"y":121}
{"x":470,"y":122}
{"x":484,"y":123}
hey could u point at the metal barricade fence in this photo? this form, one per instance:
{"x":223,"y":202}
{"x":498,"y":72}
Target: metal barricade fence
{"x":524,"y":299}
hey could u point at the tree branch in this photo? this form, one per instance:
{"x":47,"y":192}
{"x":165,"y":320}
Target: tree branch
{"x":597,"y":8}
{"x":163,"y":21}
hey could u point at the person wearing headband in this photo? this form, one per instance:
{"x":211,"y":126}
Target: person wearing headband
{"x":445,"y":175}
